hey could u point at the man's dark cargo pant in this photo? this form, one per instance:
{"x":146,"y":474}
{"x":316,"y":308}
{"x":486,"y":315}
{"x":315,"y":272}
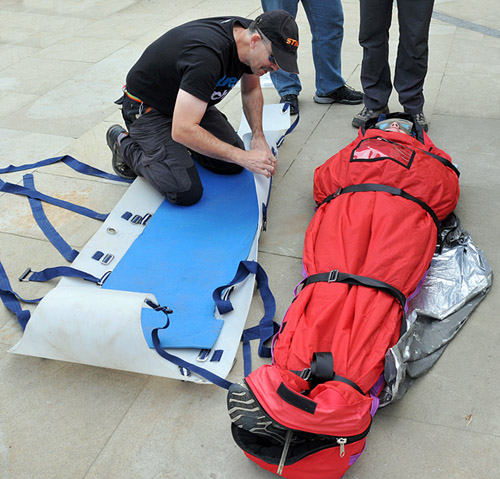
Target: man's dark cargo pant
{"x":167,"y":165}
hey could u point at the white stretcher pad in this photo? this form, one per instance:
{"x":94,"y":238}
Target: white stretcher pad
{"x":81,"y":322}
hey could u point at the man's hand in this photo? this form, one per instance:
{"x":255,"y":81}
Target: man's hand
{"x":186,"y":130}
{"x":260,"y":158}
{"x":259,"y":144}
{"x":258,"y":161}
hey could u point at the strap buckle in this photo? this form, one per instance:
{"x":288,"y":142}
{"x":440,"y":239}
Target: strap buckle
{"x":104,"y":277}
{"x":24,"y":276}
{"x":333,"y":276}
{"x":306,"y":374}
{"x":203,"y":355}
{"x":332,"y":196}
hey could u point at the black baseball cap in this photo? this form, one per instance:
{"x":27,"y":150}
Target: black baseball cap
{"x":283,"y":33}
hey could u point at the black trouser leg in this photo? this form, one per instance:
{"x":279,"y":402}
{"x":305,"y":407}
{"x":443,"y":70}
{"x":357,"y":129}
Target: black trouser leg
{"x":218,"y":125}
{"x":413,"y":52}
{"x":375,"y":21}
{"x":167,"y":165}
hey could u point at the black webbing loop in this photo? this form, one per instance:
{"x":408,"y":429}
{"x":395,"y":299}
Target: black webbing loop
{"x":322,"y":371}
{"x":322,"y":367}
{"x":364,"y":187}
{"x":335,"y":276}
{"x":297,"y":400}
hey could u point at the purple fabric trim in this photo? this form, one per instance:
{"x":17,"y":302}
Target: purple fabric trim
{"x":295,"y":290}
{"x":374,"y":392}
{"x":417,"y":290}
{"x":375,"y":405}
{"x":275,"y":337}
{"x":304,"y":276}
{"x":355,"y":457}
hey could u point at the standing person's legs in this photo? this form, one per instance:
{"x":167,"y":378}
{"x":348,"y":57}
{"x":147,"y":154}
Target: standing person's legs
{"x":375,"y":21}
{"x":413,"y":52}
{"x":326,"y":19}
{"x":285,"y":83}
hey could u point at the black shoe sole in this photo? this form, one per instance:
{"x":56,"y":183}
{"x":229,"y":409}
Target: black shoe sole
{"x":246,"y":413}
{"x":327,"y":100}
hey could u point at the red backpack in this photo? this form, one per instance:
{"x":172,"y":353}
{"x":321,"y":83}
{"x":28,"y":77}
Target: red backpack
{"x":381,"y":200}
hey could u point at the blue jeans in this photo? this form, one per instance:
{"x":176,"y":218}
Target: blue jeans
{"x":326,"y":20}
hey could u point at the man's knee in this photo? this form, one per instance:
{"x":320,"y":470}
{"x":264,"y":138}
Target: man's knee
{"x":185,"y":198}
{"x":217,"y":166}
{"x":188,"y":197}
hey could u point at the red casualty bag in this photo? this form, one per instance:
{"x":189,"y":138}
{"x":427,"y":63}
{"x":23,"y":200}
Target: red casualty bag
{"x":381,"y":200}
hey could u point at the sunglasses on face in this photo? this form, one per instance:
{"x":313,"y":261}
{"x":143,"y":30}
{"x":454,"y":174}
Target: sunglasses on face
{"x":264,"y":41}
{"x":404,"y":125}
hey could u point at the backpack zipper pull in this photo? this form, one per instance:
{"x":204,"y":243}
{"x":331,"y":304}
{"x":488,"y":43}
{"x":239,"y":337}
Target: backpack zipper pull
{"x":288,"y":440}
{"x":341,"y":441}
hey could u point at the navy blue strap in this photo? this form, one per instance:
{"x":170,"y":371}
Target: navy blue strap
{"x":71,"y":162}
{"x":244,"y":269}
{"x":213,"y":378}
{"x":290,"y":129}
{"x":32,"y":193}
{"x":11,"y":299}
{"x":58,"y":271}
{"x":50,"y":232}
{"x":266,"y":328}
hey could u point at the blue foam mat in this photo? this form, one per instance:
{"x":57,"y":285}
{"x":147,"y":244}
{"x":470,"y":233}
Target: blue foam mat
{"x":185,"y":253}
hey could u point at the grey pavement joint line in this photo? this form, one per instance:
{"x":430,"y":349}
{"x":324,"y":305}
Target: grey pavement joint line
{"x":305,"y":141}
{"x":443,"y":426}
{"x":111,"y":435}
{"x":466,"y":24}
{"x":281,"y":255}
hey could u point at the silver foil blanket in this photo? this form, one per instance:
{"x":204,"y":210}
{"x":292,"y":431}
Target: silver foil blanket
{"x":458,"y":279}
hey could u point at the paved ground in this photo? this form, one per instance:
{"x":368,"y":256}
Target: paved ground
{"x":62,"y":64}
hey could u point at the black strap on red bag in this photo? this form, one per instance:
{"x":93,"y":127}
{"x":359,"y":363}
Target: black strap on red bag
{"x":335,"y":276}
{"x":322,"y":371}
{"x":365,"y":187}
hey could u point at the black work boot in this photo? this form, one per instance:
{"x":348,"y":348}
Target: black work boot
{"x":119,"y":166}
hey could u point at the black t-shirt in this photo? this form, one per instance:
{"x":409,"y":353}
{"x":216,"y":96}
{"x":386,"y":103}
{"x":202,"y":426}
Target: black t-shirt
{"x":199,"y":57}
